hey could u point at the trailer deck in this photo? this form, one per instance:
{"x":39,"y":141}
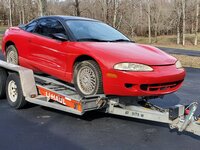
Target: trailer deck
{"x":49,"y":92}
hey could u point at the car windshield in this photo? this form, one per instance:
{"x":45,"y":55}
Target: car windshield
{"x":84,"y":30}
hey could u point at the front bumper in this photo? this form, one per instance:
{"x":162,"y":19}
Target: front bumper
{"x":163,"y":80}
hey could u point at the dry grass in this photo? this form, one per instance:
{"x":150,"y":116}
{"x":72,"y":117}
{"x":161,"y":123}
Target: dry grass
{"x":170,"y":42}
{"x":2,"y":29}
{"x":188,"y":61}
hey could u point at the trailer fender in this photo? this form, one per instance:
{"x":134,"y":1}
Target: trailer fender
{"x":26,"y":78}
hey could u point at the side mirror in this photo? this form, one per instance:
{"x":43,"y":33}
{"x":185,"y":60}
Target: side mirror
{"x":60,"y":36}
{"x":22,"y":26}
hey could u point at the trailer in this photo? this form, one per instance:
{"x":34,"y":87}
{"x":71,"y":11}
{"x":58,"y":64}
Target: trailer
{"x":20,"y":85}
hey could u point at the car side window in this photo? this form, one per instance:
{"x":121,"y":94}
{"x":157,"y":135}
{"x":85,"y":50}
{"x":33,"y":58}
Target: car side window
{"x":31,"y":26}
{"x":48,"y":27}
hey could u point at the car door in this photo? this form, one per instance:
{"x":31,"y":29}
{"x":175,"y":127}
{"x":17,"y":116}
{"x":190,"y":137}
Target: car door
{"x":47,"y":54}
{"x":23,"y":43}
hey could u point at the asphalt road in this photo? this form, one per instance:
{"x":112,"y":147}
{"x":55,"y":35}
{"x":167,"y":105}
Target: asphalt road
{"x":180,"y":51}
{"x":38,"y":127}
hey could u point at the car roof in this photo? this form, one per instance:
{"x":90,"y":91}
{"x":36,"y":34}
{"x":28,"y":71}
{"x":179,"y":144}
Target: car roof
{"x":68,"y":18}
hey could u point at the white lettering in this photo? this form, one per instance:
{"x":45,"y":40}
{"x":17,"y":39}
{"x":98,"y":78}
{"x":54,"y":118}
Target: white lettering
{"x":55,"y":97}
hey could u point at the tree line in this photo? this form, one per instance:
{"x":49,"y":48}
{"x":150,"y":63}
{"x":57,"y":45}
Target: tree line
{"x":150,"y":18}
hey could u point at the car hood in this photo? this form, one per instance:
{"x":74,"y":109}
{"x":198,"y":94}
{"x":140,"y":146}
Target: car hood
{"x":129,"y":52}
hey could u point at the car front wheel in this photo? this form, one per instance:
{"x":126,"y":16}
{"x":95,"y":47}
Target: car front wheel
{"x":88,"y":78}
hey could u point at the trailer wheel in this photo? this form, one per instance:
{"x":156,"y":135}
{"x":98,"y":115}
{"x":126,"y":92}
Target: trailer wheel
{"x":3,"y":77}
{"x":14,"y":92}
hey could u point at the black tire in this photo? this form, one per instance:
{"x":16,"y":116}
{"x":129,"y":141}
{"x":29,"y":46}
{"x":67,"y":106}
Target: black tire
{"x":3,"y":77}
{"x":12,"y":55}
{"x":19,"y":101}
{"x":96,"y":74}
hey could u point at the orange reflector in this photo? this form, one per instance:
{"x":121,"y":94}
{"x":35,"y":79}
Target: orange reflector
{"x":111,"y":75}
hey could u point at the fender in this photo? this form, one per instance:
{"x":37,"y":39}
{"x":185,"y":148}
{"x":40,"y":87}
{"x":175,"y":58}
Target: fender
{"x":26,"y":78}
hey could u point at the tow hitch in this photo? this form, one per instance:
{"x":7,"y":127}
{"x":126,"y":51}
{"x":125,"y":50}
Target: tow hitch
{"x":187,"y":121}
{"x":178,"y":117}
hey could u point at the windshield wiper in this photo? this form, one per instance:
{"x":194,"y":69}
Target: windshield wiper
{"x":99,"y":40}
{"x":121,"y":40}
{"x":92,"y":39}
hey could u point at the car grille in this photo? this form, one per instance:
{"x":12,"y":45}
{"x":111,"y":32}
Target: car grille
{"x":160,"y":87}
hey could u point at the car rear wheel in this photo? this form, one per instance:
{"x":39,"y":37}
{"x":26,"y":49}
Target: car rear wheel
{"x":88,"y":78}
{"x":12,"y":55}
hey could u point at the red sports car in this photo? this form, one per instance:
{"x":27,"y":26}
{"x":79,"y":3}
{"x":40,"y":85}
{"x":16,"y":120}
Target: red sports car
{"x":93,"y":56}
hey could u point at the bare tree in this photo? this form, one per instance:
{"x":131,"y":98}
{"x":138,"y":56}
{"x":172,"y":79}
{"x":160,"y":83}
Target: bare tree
{"x":183,"y":30}
{"x":149,"y":19}
{"x":197,"y":22}
{"x":21,"y":11}
{"x":10,"y":13}
{"x":106,"y":10}
{"x":178,"y":10}
{"x":42,"y":6}
{"x":40,"y":12}
{"x":115,"y":12}
{"x":156,"y":13}
{"x":141,"y":16}
{"x":77,"y":8}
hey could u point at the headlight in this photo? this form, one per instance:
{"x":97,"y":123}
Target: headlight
{"x":178,"y":65}
{"x":132,"y":67}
